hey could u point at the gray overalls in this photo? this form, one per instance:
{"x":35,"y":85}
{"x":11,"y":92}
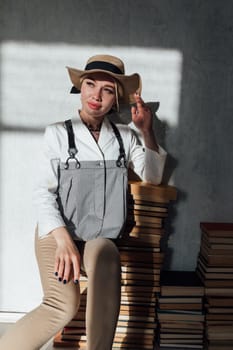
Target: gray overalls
{"x":92,"y":195}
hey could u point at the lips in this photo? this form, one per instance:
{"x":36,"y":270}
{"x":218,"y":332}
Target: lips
{"x":94,"y":106}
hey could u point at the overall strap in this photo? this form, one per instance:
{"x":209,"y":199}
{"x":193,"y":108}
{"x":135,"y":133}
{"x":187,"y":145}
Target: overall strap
{"x":72,"y":150}
{"x":121,"y":146}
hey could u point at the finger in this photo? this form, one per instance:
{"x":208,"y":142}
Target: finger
{"x":76,"y":270}
{"x":67,"y":270}
{"x":56,"y":266}
{"x":135,"y":115}
{"x":139,"y":100}
{"x":141,"y":106}
{"x":133,"y":111}
{"x":61,"y":270}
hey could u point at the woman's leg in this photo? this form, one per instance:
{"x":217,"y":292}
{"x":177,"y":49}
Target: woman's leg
{"x":102,"y":264}
{"x":59,"y":305}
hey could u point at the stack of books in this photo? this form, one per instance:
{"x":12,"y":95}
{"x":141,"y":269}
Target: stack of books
{"x":180,"y":310}
{"x":215,"y":268}
{"x":141,"y":261}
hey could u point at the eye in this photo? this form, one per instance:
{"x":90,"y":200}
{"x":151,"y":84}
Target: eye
{"x":90,"y":83}
{"x":109,"y":91}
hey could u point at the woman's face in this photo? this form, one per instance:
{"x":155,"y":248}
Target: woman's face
{"x":98,"y":95}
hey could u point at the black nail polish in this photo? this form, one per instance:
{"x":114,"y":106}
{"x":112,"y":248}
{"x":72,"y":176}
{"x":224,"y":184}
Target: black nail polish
{"x":64,"y":281}
{"x":75,"y":281}
{"x":56,"y":274}
{"x":59,"y":279}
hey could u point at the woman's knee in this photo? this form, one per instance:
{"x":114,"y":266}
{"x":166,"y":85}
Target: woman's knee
{"x":102,"y":253}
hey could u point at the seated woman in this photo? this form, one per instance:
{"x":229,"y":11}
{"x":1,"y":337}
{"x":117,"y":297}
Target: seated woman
{"x":81,"y":205}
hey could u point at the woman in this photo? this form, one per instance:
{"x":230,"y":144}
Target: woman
{"x":81,"y":205}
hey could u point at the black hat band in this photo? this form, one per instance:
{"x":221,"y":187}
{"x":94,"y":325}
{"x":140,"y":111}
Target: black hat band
{"x":103,"y":66}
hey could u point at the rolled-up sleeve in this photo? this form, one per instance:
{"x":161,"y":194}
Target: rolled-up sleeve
{"x":147,"y":163}
{"x":154,"y":165}
{"x":45,"y":192}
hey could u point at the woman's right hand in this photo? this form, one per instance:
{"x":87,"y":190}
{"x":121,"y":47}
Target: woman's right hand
{"x":67,"y":257}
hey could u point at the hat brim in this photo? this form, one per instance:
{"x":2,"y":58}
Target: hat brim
{"x":130,"y":83}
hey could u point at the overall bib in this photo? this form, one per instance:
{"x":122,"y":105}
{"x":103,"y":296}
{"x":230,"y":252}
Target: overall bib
{"x":92,"y":195}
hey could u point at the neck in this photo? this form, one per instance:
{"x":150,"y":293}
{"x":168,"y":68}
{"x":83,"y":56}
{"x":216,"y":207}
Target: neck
{"x":93,"y":128}
{"x":93,"y":124}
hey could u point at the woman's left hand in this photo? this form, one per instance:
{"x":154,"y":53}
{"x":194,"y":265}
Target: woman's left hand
{"x":141,"y":115}
{"x":143,"y":119}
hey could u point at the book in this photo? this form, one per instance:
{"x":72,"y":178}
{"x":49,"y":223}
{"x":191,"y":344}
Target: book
{"x":141,"y":231}
{"x":181,"y":336}
{"x":138,"y":318}
{"x":219,"y":317}
{"x":151,"y":192}
{"x":217,"y":260}
{"x":181,"y":283}
{"x":224,"y":292}
{"x":140,"y":240}
{"x":139,"y":276}
{"x":148,"y":207}
{"x":136,"y":324}
{"x":79,"y":325}
{"x":178,"y":316}
{"x":141,"y":256}
{"x":180,"y":341}
{"x":220,"y":332}
{"x":220,"y":310}
{"x":217,"y":229}
{"x":220,"y":346}
{"x":143,"y":297}
{"x":140,"y":270}
{"x":134,"y":308}
{"x":212,"y":275}
{"x":145,"y":222}
{"x":152,"y":213}
{"x":59,"y":342}
{"x":176,"y":306}
{"x":220,"y":302}
{"x":218,"y":249}
{"x":179,"y":346}
{"x":143,"y":249}
{"x":213,"y":269}
{"x":215,"y":283}
{"x":218,"y":240}
{"x":181,"y":326}
{"x":179,"y":300}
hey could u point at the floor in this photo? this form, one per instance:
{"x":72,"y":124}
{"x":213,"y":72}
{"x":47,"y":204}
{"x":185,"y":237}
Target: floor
{"x":49,"y":345}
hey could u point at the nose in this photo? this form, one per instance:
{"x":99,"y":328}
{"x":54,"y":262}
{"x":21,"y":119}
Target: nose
{"x":98,"y":94}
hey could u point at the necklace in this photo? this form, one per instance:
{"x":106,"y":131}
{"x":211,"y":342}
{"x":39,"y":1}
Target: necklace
{"x":93,"y":129}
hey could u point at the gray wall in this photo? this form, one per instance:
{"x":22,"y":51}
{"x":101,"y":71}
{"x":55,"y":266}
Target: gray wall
{"x":200,"y":144}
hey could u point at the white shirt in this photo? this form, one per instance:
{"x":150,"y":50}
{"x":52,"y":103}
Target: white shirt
{"x":146,"y":163}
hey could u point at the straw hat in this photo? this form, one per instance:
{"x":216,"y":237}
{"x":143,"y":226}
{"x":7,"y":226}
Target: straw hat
{"x":113,"y":66}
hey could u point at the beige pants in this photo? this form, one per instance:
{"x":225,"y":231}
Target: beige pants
{"x":101,"y":261}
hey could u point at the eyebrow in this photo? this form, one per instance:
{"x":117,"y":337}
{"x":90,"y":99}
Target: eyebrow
{"x":90,"y":78}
